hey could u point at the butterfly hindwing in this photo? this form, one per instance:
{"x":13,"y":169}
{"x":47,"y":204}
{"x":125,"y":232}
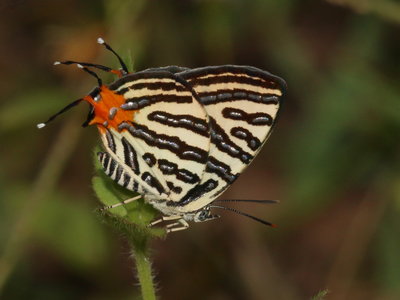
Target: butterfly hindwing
{"x":242,"y":104}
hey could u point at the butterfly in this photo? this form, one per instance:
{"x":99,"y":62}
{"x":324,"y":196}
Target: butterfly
{"x":180,"y":137}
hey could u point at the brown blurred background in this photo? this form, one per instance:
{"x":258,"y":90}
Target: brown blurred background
{"x":332,"y":161}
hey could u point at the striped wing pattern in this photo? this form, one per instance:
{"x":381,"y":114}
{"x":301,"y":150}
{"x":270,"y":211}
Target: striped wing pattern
{"x":193,"y":132}
{"x":242,"y":104}
{"x":163,"y":151}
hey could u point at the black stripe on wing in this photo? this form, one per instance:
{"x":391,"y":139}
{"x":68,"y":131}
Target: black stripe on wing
{"x":173,"y":188}
{"x":150,"y":159}
{"x":189,"y":122}
{"x":170,"y":168}
{"x":153,"y":182}
{"x":245,"y":83}
{"x":257,"y":119}
{"x":242,"y":133}
{"x":239,"y":78}
{"x":195,"y":193}
{"x":130,"y":156}
{"x":269,"y":80}
{"x":130,"y":78}
{"x":227,"y":95}
{"x":117,"y":173}
{"x":162,"y":141}
{"x":165,"y":86}
{"x":221,"y":139}
{"x":110,"y":141}
{"x":221,"y":169}
{"x":135,"y":103}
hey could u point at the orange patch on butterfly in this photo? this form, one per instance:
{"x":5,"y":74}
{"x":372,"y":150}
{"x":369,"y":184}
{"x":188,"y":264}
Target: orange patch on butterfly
{"x":107,"y":110}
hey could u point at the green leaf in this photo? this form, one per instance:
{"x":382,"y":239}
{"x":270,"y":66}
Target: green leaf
{"x":132,"y":218}
{"x":104,"y":191}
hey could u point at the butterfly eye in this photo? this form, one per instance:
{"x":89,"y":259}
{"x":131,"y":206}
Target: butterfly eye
{"x":202,"y":215}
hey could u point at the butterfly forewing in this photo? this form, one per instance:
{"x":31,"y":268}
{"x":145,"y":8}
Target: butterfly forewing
{"x":164,"y":148}
{"x":242,"y":105}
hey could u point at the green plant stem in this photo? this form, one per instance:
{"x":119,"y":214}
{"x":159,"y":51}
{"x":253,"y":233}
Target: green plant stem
{"x":132,"y":224}
{"x":138,"y":237}
{"x":143,"y":269}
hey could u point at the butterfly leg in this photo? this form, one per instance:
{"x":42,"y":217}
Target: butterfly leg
{"x":180,"y":223}
{"x":123,"y":202}
{"x":177,"y":226}
{"x":164,"y":218}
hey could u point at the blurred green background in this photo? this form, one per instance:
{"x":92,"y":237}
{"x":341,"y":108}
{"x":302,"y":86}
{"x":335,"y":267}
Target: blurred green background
{"x":332,"y":161}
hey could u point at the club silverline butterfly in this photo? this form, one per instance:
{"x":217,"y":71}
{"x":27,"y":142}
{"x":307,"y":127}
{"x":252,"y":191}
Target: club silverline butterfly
{"x":180,"y":137}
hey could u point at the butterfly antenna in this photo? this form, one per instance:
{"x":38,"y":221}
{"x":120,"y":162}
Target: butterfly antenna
{"x":97,"y":66}
{"x":248,"y":201}
{"x":244,"y":214}
{"x":99,"y":81}
{"x":68,"y":107}
{"x":123,"y":65}
{"x":82,"y":66}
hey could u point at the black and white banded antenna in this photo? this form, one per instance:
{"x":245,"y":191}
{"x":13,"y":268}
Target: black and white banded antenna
{"x":80,"y":66}
{"x":76,"y":102}
{"x":248,"y":201}
{"x":85,"y":64}
{"x":68,"y":107}
{"x":245,"y":215}
{"x":108,"y":47}
{"x":99,"y":81}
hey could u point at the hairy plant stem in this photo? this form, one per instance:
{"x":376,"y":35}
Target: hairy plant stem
{"x":138,"y":236}
{"x":130,"y":221}
{"x":143,"y":268}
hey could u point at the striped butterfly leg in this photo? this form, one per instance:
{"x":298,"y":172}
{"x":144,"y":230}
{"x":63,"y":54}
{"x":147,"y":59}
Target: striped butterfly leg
{"x":122,"y":203}
{"x":180,"y":223}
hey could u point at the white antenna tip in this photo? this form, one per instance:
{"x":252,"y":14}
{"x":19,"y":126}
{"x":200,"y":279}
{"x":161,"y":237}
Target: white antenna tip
{"x":79,"y":66}
{"x":57,"y":63}
{"x":40,"y":125}
{"x":100,"y":41}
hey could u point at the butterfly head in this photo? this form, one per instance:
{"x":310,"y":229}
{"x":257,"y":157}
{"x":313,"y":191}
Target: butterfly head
{"x":204,"y":215}
{"x":107,"y":109}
